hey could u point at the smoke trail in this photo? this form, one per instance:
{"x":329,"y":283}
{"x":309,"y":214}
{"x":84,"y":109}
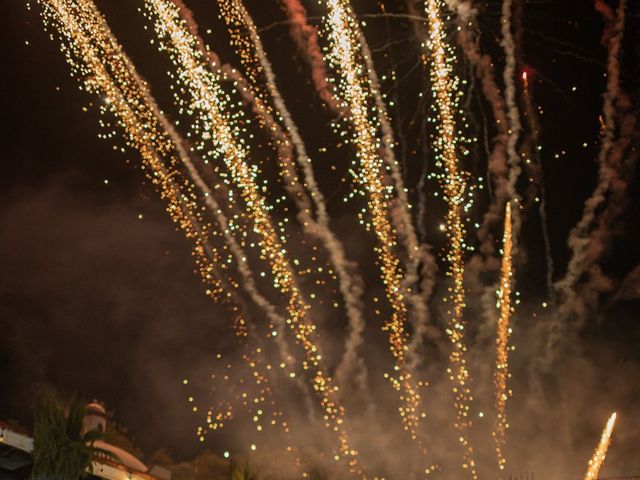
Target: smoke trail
{"x":350,"y":283}
{"x":454,"y":184}
{"x":420,"y":262}
{"x":590,"y":238}
{"x":248,"y":281}
{"x":306,"y":39}
{"x":420,"y":33}
{"x":497,"y":162}
{"x":596,"y":461}
{"x":211,"y":111}
{"x":530,"y":149}
{"x":513,"y":114}
{"x":497,"y":167}
{"x":501,"y":373}
{"x":579,"y":235}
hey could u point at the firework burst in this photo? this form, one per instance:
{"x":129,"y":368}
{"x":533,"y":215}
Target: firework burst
{"x":219,"y":188}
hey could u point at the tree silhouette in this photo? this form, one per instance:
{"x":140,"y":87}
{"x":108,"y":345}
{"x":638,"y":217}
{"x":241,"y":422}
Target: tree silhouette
{"x":61,"y":451}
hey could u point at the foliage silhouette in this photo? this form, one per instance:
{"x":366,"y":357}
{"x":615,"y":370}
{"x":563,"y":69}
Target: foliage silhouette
{"x":61,"y":451}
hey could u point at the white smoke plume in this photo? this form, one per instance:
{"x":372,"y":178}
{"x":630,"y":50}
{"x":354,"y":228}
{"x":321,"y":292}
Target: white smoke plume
{"x":591,"y":238}
{"x":513,"y":114}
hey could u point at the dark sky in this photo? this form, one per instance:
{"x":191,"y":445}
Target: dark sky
{"x":97,"y":290}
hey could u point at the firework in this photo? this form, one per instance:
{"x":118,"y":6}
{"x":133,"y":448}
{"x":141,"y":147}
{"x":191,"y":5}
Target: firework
{"x":441,"y":58}
{"x":249,"y":45}
{"x":214,"y":115}
{"x":513,"y":114}
{"x":501,"y":373}
{"x":353,"y":89}
{"x":595,"y":464}
{"x":217,"y":189}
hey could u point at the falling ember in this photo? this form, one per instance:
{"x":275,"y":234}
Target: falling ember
{"x":595,"y":464}
{"x":525,"y":80}
{"x":501,"y":373}
{"x":440,"y":61}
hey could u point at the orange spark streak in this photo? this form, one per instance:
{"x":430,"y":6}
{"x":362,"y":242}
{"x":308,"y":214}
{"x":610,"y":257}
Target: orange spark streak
{"x":501,"y":373}
{"x":595,"y":464}
{"x":444,"y":83}
{"x":354,"y":90}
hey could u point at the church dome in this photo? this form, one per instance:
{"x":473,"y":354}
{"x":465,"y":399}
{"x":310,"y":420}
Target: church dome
{"x":95,"y":418}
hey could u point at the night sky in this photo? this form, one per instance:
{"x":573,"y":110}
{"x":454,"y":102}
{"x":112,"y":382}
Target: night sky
{"x":98,"y":294}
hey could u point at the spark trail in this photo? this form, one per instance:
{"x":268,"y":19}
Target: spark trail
{"x":419,"y":260}
{"x":444,"y":84}
{"x":530,"y":148}
{"x":211,"y":110}
{"x":596,"y":461}
{"x":353,"y":91}
{"x":400,"y":213}
{"x":501,"y":373}
{"x":265,"y":114}
{"x":247,"y":41}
